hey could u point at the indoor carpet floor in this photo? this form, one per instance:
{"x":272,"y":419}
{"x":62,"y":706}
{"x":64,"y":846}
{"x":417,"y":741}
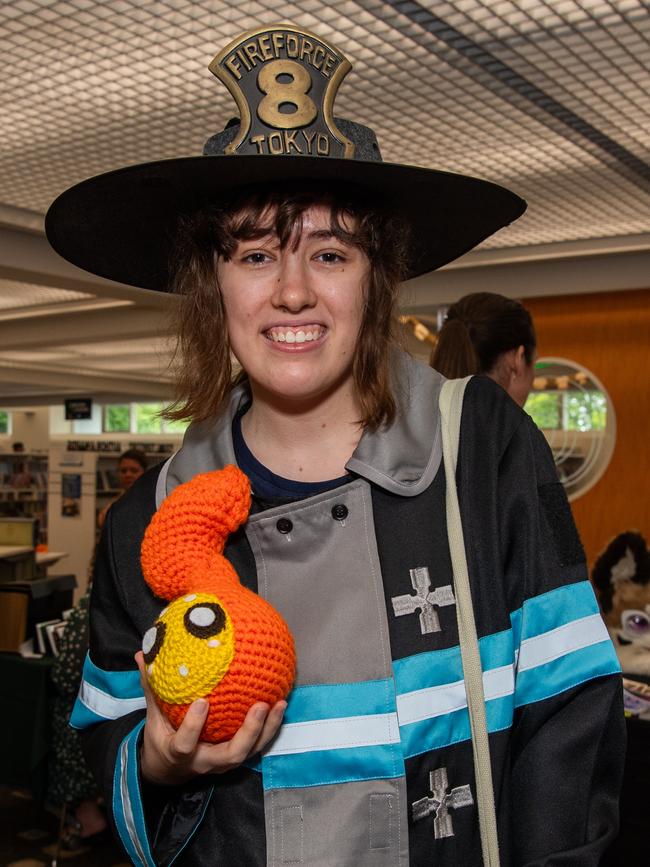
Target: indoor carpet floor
{"x":28,"y":835}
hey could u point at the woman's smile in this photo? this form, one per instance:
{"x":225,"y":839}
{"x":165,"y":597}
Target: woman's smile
{"x":304,"y":300}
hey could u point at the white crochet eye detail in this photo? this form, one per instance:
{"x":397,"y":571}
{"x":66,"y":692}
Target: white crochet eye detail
{"x":200,"y":616}
{"x":149,"y":639}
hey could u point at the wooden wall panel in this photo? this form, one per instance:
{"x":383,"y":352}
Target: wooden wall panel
{"x":608,"y":333}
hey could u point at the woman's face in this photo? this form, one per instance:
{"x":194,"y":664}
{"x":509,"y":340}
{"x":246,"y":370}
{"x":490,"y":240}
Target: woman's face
{"x":128,"y":471}
{"x":294,"y":314}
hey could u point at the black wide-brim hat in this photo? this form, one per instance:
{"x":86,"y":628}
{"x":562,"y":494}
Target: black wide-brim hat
{"x":121,"y":225}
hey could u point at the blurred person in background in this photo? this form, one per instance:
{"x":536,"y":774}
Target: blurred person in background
{"x":131,"y":465}
{"x":486,"y":333}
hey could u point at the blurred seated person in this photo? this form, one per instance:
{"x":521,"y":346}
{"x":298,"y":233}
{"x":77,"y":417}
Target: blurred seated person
{"x":131,"y":465}
{"x":486,"y":333}
{"x":71,"y":786}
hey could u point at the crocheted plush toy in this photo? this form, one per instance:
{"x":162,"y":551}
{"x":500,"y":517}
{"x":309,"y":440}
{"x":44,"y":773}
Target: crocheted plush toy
{"x":217,"y":639}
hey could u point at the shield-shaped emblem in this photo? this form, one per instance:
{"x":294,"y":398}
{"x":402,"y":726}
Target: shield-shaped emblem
{"x":284,"y":81}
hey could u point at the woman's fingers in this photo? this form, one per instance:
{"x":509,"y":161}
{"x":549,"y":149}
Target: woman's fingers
{"x":243,"y":741}
{"x":271,"y":726}
{"x":184,"y":742}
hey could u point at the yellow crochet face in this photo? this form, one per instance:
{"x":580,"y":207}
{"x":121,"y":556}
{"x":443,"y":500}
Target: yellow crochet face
{"x":189,"y":648}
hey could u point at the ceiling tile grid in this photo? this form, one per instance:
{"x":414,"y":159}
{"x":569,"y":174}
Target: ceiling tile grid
{"x":15,"y":295}
{"x":550,"y":98}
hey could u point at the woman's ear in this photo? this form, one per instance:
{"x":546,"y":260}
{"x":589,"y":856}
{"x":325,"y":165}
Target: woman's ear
{"x":519,"y":363}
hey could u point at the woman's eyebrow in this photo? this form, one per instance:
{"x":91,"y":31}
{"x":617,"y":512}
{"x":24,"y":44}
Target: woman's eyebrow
{"x":322,"y":234}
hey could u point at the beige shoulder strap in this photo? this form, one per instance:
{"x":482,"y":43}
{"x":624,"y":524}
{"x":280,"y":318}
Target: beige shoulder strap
{"x":451,"y":405}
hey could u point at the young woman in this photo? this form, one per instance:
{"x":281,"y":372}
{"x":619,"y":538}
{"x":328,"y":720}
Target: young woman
{"x":292,"y":266}
{"x":489,"y":334}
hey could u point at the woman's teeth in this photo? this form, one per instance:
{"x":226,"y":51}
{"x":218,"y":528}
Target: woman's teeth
{"x":289,"y":335}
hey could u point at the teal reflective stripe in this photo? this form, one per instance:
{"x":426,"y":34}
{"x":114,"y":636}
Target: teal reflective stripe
{"x":430,"y":686}
{"x":431,"y":668}
{"x":452,"y":728}
{"x":82,"y":716}
{"x":556,"y":608}
{"x":127,"y":803}
{"x":559,"y":641}
{"x":438,"y":667}
{"x":333,"y":733}
{"x":332,"y":766}
{"x":120,"y":684}
{"x":565,"y":672}
{"x":330,"y":701}
{"x":105,"y":695}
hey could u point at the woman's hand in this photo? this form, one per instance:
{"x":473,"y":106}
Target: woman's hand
{"x":171,"y":756}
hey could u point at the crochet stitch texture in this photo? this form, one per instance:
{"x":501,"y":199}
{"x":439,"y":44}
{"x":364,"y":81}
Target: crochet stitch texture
{"x":217,"y":639}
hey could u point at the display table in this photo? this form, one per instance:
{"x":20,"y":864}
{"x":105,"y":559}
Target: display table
{"x":25,"y":699}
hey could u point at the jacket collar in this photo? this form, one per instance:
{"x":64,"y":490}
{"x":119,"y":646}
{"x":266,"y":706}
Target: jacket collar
{"x":402,"y":459}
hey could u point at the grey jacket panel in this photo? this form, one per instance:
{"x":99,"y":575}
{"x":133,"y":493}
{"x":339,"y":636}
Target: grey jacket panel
{"x":362,"y":824}
{"x":402,"y":459}
{"x":333,"y":567}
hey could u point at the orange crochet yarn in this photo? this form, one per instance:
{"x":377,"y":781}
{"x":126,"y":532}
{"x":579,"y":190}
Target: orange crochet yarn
{"x":217,"y":639}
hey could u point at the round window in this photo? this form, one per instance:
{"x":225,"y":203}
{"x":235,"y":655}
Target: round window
{"x":575,"y":413}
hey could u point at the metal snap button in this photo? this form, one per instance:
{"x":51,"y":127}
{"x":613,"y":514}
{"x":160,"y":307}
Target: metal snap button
{"x":284,"y":526}
{"x":339,"y":512}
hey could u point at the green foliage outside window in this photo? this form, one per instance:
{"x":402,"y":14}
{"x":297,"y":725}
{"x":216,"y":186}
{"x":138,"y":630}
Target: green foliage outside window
{"x":586,"y":411}
{"x":4,"y":422}
{"x":147,"y":418}
{"x":572,"y":410}
{"x":544,"y":409}
{"x":118,"y":418}
{"x":143,"y":418}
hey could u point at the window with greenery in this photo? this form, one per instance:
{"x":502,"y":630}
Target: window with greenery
{"x":586,"y":411}
{"x":544,"y":409}
{"x":117,"y":418}
{"x":5,"y":421}
{"x":568,"y":410}
{"x":142,"y":418}
{"x":147,"y":418}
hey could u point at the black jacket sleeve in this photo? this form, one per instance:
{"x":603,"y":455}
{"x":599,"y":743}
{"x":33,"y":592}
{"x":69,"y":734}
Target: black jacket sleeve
{"x":568,"y":748}
{"x":121,"y":609}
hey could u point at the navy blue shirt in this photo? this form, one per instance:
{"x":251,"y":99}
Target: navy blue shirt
{"x":267,"y":485}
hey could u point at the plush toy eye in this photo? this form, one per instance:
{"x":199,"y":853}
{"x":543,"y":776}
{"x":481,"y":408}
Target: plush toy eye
{"x":152,"y":641}
{"x":205,"y":619}
{"x":635,"y":624}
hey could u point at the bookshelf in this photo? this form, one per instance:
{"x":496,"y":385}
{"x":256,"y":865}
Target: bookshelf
{"x":23,"y":488}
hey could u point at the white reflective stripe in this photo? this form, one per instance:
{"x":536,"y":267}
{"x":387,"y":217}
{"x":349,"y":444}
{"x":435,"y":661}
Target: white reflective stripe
{"x":499,"y":682}
{"x":125,"y":797}
{"x":106,"y":705}
{"x":558,"y":642}
{"x":431,"y":702}
{"x":335,"y":734}
{"x":436,"y":701}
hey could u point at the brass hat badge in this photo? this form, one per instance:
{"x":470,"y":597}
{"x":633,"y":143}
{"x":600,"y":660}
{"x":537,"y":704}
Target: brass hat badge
{"x":284,"y":81}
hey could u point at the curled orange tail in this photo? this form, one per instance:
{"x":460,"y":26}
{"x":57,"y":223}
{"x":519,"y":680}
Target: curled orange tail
{"x":186,"y":536}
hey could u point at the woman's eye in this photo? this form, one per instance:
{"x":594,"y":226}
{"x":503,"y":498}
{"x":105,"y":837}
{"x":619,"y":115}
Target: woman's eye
{"x":255,"y":258}
{"x":331,"y":257}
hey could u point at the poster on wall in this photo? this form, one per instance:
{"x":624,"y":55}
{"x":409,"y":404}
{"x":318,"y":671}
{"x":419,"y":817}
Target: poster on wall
{"x":70,"y":495}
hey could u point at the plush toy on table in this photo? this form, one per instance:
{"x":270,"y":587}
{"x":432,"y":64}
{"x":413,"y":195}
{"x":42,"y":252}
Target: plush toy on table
{"x":621,"y":577}
{"x":216,"y":639}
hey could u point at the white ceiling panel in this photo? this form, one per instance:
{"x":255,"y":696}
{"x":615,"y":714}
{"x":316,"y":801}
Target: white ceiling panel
{"x":548,"y":97}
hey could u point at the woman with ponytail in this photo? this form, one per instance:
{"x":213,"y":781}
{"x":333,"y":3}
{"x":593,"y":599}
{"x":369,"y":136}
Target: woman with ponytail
{"x":488,"y":334}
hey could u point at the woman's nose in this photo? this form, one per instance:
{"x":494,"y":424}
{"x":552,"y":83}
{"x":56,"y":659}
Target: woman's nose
{"x":294,"y":290}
